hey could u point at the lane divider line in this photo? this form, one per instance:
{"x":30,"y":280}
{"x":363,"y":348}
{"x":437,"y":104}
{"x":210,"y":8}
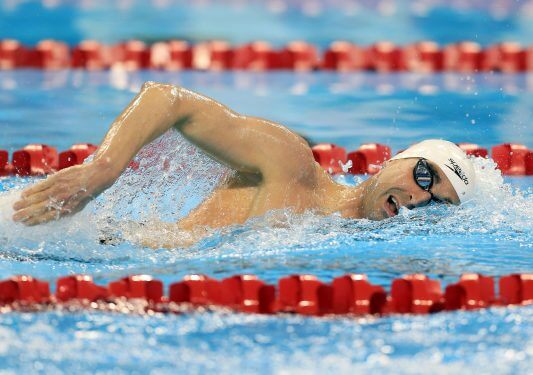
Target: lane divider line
{"x":216,"y":55}
{"x":351,"y":294}
{"x":40,"y":159}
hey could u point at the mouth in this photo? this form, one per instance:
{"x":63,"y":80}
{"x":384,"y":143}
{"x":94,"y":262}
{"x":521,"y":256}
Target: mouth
{"x":392,"y":206}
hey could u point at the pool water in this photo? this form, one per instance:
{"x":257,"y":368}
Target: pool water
{"x":492,"y":235}
{"x":242,"y":21}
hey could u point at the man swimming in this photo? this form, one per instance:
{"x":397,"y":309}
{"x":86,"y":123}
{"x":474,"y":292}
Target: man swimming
{"x":274,"y":168}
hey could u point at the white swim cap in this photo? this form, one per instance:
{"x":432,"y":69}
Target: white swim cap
{"x":450,"y":159}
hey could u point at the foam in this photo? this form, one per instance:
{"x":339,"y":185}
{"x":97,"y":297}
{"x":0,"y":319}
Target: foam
{"x":69,"y":235}
{"x":7,"y":200}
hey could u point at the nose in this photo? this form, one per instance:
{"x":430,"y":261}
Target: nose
{"x":419,"y":198}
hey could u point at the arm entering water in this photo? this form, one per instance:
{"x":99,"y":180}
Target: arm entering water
{"x":243,"y":143}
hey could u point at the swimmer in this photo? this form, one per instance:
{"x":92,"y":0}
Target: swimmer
{"x":274,"y":168}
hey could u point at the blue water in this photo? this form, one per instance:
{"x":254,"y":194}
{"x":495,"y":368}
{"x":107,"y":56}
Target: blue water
{"x":237,"y":21}
{"x":61,"y":108}
{"x":493,"y":235}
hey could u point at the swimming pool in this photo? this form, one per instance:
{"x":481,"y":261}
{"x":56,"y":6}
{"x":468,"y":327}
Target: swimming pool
{"x":240,"y":21}
{"x":492,"y":236}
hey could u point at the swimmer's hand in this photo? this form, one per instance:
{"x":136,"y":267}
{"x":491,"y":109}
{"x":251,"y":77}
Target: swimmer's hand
{"x":61,"y":194}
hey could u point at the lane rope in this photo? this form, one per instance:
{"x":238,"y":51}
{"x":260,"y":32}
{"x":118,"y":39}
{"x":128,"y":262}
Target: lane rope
{"x":175,"y":55}
{"x":351,"y":294}
{"x":40,"y":159}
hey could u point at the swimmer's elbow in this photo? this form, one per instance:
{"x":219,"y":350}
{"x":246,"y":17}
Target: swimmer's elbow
{"x":163,"y":93}
{"x":172,"y":92}
{"x":151,"y":86}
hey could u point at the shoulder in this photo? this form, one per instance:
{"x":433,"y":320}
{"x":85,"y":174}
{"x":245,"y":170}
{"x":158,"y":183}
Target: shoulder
{"x":293,"y":161}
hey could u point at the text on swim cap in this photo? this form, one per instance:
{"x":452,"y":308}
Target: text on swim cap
{"x":457,"y":170}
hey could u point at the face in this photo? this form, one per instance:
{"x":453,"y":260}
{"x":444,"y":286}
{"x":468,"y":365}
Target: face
{"x":394,"y":187}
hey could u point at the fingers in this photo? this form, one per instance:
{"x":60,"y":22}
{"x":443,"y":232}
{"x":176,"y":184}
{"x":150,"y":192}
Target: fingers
{"x":45,"y":211}
{"x":30,"y":200}
{"x":34,"y":194}
{"x":40,"y":213}
{"x":35,"y":210}
{"x":43,"y":185}
{"x":61,"y":194}
{"x":46,"y":217}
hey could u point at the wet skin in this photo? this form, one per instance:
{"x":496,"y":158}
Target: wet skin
{"x":231,"y":202}
{"x":273,"y":168}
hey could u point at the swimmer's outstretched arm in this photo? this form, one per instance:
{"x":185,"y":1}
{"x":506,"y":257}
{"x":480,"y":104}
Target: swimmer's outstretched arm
{"x":243,"y":143}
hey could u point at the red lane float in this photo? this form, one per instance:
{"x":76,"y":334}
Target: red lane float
{"x":258,"y":56}
{"x":344,"y":56}
{"x":423,"y":57}
{"x":473,"y":291}
{"x":79,"y":287}
{"x":463,"y":57}
{"x":350,"y":294}
{"x":385,"y":57}
{"x":172,"y":55}
{"x":215,"y":55}
{"x":50,"y":55}
{"x":329,"y":156}
{"x":369,"y":158}
{"x":247,"y":293}
{"x":507,"y":57}
{"x":299,"y":56}
{"x":511,"y":158}
{"x":198,"y":290}
{"x":516,"y":289}
{"x":90,"y":55}
{"x":35,"y":159}
{"x":304,"y":294}
{"x":24,"y":289}
{"x":4,"y":162}
{"x":220,"y":55}
{"x":13,"y":54}
{"x":181,"y":55}
{"x":353,"y":294}
{"x":137,"y":287}
{"x":529,"y":163}
{"x":416,"y":294}
{"x":131,"y":55}
{"x":75,"y":155}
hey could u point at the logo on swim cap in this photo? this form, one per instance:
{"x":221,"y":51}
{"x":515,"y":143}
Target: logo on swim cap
{"x":457,"y":170}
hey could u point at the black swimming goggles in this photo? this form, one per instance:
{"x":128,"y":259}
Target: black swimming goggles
{"x":423,"y":175}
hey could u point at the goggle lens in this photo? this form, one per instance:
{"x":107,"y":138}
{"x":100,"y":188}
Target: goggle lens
{"x":423,"y":175}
